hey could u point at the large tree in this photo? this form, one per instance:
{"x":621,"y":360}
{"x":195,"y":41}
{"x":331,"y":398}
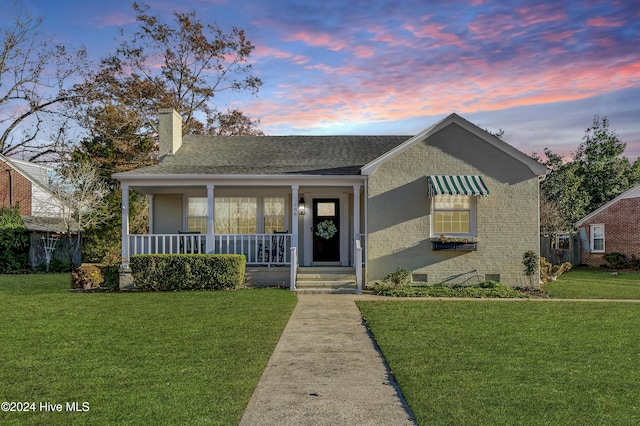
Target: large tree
{"x":182,"y":64}
{"x":606,"y":172}
{"x":35,"y":75}
{"x":597,"y":173}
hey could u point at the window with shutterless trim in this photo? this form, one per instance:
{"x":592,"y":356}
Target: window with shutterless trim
{"x":597,"y":238}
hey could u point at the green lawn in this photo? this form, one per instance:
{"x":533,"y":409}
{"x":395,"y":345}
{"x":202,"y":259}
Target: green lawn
{"x":135,"y":358}
{"x":512,"y":362}
{"x":588,"y":284}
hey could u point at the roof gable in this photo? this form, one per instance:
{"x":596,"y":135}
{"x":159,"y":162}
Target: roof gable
{"x":36,"y":173}
{"x":533,"y":166}
{"x":630,"y":193}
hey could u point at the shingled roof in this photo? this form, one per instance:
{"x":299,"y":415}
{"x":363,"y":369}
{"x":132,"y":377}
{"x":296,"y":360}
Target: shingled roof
{"x":273,"y":155}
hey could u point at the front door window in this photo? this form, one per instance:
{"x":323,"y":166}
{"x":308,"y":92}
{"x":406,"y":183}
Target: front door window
{"x":326,"y":230}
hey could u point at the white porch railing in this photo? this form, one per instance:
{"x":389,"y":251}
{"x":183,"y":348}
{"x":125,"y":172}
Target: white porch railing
{"x":259,"y":249}
{"x":166,"y":243}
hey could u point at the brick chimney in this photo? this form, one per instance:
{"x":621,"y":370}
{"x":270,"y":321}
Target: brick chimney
{"x":170,"y":131}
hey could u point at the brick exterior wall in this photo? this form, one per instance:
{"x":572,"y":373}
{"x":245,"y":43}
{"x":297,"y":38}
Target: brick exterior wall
{"x":399,"y":212}
{"x":21,"y":189}
{"x":621,"y":222}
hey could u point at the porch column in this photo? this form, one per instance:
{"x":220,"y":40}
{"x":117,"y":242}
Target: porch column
{"x":150,"y":202}
{"x":125,"y":225}
{"x":356,"y":212}
{"x":294,"y":215}
{"x":210,"y":218}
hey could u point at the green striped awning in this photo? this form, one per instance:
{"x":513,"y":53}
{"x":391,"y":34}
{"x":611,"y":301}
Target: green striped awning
{"x":457,"y":185}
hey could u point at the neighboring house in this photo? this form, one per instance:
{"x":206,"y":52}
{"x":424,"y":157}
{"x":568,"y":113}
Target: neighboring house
{"x":612,"y":228}
{"x":448,"y":204}
{"x":25,"y":185}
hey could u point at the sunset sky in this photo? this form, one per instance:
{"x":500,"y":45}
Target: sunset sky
{"x":540,"y":70}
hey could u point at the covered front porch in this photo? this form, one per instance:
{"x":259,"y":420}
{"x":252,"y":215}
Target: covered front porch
{"x":276,"y":225}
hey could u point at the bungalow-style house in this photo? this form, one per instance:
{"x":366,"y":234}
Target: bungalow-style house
{"x":450,"y":203}
{"x":25,"y":185}
{"x":612,"y":228}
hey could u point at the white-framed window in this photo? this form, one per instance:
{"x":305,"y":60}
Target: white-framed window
{"x":597,"y":238}
{"x":197,"y":214}
{"x":273,"y":214}
{"x":236,"y":215}
{"x":453,"y":214}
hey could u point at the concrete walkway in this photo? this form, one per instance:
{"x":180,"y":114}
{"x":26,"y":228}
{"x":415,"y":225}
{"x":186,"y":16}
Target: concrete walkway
{"x":326,"y":370}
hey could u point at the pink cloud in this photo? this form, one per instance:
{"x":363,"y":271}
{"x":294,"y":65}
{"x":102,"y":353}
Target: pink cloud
{"x":554,"y":37}
{"x":265,"y":52}
{"x":317,"y":39}
{"x":434,"y":31}
{"x":476,"y":86}
{"x":491,"y":27}
{"x":117,"y":19}
{"x":601,"y":21}
{"x":364,"y":51}
{"x":538,"y":14}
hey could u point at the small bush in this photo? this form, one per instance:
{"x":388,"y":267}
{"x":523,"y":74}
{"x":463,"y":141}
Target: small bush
{"x":14,"y":242}
{"x":173,"y":272}
{"x":93,"y":275}
{"x":398,"y":279}
{"x":617,"y":260}
{"x":111,"y":275}
{"x":87,"y":276}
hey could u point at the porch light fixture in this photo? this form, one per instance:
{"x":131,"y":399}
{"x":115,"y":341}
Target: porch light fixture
{"x":301,"y":209}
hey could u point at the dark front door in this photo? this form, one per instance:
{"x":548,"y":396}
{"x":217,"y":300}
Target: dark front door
{"x":326,"y":230}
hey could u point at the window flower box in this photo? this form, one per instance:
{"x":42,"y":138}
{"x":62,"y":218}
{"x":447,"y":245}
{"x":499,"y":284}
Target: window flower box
{"x":437,"y":245}
{"x":454,"y":243}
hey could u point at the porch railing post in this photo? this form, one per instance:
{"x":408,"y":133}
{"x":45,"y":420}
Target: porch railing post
{"x":125,"y":225}
{"x":210,"y":219}
{"x":358,"y":266}
{"x":294,"y":268}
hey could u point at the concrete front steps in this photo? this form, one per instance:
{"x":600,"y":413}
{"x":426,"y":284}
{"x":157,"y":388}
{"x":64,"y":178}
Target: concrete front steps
{"x":322,"y":279}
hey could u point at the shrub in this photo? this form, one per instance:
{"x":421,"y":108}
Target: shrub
{"x":487,"y":289}
{"x":87,"y":276}
{"x":398,"y":279}
{"x":14,"y":242}
{"x":531,"y":262}
{"x":172,"y":272}
{"x":95,"y":275}
{"x":617,"y":260}
{"x":111,"y":274}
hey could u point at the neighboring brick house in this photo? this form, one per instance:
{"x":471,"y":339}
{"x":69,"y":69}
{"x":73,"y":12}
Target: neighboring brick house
{"x":25,"y":185}
{"x":612,"y":228}
{"x":451,"y":203}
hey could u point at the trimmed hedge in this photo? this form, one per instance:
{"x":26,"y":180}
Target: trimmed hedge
{"x":172,"y":272}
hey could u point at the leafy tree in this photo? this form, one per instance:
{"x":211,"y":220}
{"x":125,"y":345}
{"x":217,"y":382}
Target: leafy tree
{"x":596,"y":174}
{"x":606,"y":173}
{"x":183,"y":64}
{"x":35,"y":75}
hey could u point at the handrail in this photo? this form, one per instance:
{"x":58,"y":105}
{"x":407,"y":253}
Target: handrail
{"x":293,"y":269}
{"x":358,"y":267}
